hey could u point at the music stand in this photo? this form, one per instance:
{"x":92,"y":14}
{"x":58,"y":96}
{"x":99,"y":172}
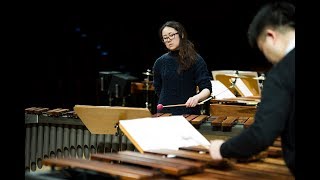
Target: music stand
{"x":104,"y":119}
{"x":249,"y":81}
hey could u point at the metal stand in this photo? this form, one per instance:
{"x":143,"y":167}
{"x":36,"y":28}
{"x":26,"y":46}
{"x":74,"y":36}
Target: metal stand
{"x":233,"y":82}
{"x":148,"y":74}
{"x":261,"y":80}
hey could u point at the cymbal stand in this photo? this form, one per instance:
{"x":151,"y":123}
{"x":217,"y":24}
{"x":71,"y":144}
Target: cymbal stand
{"x":262,"y":80}
{"x":147,"y":88}
{"x":233,"y":81}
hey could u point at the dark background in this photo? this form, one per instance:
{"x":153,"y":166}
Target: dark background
{"x":56,"y":65}
{"x":68,"y":45}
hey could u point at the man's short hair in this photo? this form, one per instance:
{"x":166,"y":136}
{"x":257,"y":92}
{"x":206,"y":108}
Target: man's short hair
{"x":275,"y":14}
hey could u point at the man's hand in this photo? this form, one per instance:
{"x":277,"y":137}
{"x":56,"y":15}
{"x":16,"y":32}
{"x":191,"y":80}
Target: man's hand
{"x":214,"y":149}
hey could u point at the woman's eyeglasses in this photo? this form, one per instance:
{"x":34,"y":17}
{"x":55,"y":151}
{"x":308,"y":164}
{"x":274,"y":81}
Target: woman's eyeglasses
{"x":169,"y":37}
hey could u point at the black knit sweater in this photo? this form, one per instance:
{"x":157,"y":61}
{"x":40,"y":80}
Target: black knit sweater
{"x":174,"y":88}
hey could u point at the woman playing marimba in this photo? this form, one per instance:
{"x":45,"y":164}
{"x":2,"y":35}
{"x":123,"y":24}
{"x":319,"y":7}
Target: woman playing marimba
{"x":178,"y":73}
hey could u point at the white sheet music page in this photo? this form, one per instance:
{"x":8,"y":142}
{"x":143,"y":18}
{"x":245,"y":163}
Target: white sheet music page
{"x":243,"y":88}
{"x":171,"y":132}
{"x":220,"y":91}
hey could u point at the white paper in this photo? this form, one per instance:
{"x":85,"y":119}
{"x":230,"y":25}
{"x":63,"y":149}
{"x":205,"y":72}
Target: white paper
{"x":220,"y":91}
{"x":171,"y":132}
{"x":243,"y":88}
{"x":249,"y":74}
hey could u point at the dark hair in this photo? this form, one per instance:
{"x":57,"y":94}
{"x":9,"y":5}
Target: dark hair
{"x":187,"y":52}
{"x":273,"y":14}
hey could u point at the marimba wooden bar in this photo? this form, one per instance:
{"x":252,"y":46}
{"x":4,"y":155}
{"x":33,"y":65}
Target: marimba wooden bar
{"x":225,"y":123}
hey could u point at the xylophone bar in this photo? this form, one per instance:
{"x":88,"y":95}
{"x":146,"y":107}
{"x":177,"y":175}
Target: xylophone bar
{"x":165,"y":165}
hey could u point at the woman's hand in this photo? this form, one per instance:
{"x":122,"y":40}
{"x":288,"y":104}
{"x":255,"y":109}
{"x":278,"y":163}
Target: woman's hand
{"x":192,"y":101}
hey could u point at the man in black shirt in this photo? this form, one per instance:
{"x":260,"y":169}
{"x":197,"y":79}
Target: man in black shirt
{"x":272,"y":31}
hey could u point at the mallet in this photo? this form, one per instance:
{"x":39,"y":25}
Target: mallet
{"x":160,"y":106}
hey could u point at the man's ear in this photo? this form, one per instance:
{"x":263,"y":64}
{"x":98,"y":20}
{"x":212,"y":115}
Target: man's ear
{"x":271,"y":33}
{"x":182,"y":36}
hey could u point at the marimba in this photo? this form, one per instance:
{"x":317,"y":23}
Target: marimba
{"x":59,"y":133}
{"x":240,"y":106}
{"x":226,"y":123}
{"x":185,"y":163}
{"x":225,"y":114}
{"x":58,"y":138}
{"x":220,"y":125}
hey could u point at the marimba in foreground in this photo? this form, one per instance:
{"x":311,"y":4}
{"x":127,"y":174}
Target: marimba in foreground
{"x":59,"y":133}
{"x":185,"y":163}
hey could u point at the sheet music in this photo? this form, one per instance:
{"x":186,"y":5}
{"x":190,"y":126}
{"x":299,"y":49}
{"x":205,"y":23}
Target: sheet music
{"x":169,"y":132}
{"x":253,"y":84}
{"x":243,"y":88}
{"x":220,"y":91}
